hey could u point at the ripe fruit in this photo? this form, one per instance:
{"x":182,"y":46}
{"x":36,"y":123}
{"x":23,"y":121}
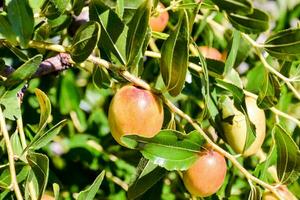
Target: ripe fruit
{"x":135,"y":111}
{"x":211,"y":53}
{"x":206,"y":175}
{"x":159,"y":23}
{"x":47,"y":197}
{"x":236,"y":132}
{"x":282,"y":191}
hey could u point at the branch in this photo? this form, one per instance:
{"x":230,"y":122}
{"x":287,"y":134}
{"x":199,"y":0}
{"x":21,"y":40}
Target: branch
{"x":10,"y":153}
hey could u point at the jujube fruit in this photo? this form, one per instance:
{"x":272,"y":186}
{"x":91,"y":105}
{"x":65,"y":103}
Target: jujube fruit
{"x":135,"y":111}
{"x":159,"y":23}
{"x":212,"y":53}
{"x":206,"y":175}
{"x":236,"y":133}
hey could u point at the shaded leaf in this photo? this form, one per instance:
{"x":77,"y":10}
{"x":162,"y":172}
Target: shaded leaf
{"x":147,"y":175}
{"x":90,"y":192}
{"x":101,"y":78}
{"x":269,"y":94}
{"x":137,"y":30}
{"x":174,"y":57}
{"x":184,"y":148}
{"x":288,"y":156}
{"x":24,"y":72}
{"x":85,"y":40}
{"x":111,"y":38}
{"x":256,"y":22}
{"x":10,"y":101}
{"x":6,"y":29}
{"x":284,"y":44}
{"x":235,"y":6}
{"x":38,"y":175}
{"x":20,"y":16}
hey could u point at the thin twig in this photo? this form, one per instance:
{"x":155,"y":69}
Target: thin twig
{"x":11,"y":161}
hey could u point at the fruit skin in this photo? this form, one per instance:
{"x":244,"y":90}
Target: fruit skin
{"x":135,"y":111}
{"x":212,"y":53}
{"x":159,"y":23}
{"x":282,"y":191}
{"x":206,"y":175}
{"x":47,"y":197}
{"x":236,"y":132}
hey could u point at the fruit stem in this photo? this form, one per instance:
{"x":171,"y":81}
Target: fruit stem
{"x":11,"y":160}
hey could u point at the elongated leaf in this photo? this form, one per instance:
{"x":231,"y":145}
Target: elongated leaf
{"x":137,"y":30}
{"x":285,"y":44}
{"x":16,"y":144}
{"x":174,"y":57}
{"x":90,"y":192}
{"x":256,"y":22}
{"x":56,"y":189}
{"x":184,"y":148}
{"x":20,"y":16}
{"x":269,"y":93}
{"x":288,"y":156}
{"x":101,"y":78}
{"x":229,"y":64}
{"x":147,"y":175}
{"x":109,"y":34}
{"x":38,"y":175}
{"x":235,"y":6}
{"x":85,"y":40}
{"x":45,"y":107}
{"x":45,"y":138}
{"x":6,"y":29}
{"x":24,"y":72}
{"x":237,"y":92}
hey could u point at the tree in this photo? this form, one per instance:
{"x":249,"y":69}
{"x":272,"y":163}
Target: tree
{"x":61,"y":62}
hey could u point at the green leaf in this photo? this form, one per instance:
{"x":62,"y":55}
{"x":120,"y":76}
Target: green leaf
{"x":20,"y":16}
{"x":256,"y":22}
{"x":6,"y":29}
{"x":284,"y":44}
{"x":54,"y":8}
{"x":235,"y":6}
{"x":42,"y":140}
{"x":111,"y":38}
{"x":90,"y":192}
{"x":137,"y":30}
{"x":184,"y":148}
{"x":56,"y":189}
{"x":16,"y":144}
{"x":24,"y":72}
{"x":269,"y":94}
{"x":147,"y":175}
{"x":85,"y":40}
{"x":77,"y":6}
{"x":45,"y":107}
{"x":288,"y":156}
{"x":174,"y":57}
{"x":38,"y":175}
{"x":10,"y":101}
{"x":101,"y":78}
{"x":237,"y":92}
{"x":229,"y":64}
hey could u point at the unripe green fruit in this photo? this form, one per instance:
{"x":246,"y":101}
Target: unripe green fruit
{"x":135,"y":111}
{"x":283,"y":191}
{"x":236,"y":132}
{"x":206,"y":175}
{"x":159,"y":23}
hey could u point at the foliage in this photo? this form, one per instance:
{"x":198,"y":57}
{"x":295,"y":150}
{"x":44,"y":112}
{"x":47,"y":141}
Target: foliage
{"x":62,"y":61}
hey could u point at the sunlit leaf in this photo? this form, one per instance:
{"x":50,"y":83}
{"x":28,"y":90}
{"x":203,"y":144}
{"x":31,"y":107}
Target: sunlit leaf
{"x":90,"y":192}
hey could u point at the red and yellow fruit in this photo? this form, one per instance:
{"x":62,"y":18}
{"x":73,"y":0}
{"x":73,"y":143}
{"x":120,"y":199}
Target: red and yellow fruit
{"x":135,"y":111}
{"x":206,"y":175}
{"x":236,"y":132}
{"x":212,"y":53}
{"x":158,"y":23}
